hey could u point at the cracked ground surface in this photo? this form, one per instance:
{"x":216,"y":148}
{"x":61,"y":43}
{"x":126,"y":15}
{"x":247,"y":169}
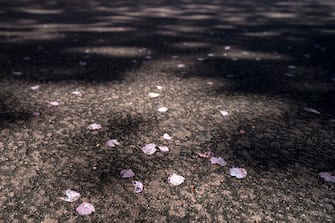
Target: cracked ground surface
{"x":261,"y":61}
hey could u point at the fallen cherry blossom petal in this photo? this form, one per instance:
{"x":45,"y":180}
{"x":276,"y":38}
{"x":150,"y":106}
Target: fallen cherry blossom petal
{"x":200,"y":59}
{"x":36,"y":114}
{"x":159,"y":87}
{"x":289,"y":75}
{"x":54,"y":103}
{"x":181,"y":65}
{"x":210,"y":83}
{"x":94,"y":126}
{"x":163,"y":109}
{"x":224,"y":113}
{"x":148,"y":57}
{"x":292,"y":67}
{"x":166,"y":136}
{"x":127,"y":173}
{"x":312,"y":110}
{"x":153,"y":95}
{"x":211,"y":55}
{"x":76,"y":93}
{"x":17,"y":73}
{"x":207,"y":154}
{"x":227,"y":48}
{"x":85,"y":209}
{"x":112,"y":142}
{"x":149,"y":149}
{"x":218,"y":160}
{"x":164,"y":148}
{"x":327,"y":176}
{"x":238,"y":172}
{"x":82,"y":63}
{"x":176,"y":180}
{"x":138,"y":186}
{"x":35,"y":87}
{"x":71,"y":196}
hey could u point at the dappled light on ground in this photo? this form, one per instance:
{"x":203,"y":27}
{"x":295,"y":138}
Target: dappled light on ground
{"x":167,"y":111}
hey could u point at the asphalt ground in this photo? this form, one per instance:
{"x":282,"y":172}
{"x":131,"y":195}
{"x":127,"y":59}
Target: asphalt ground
{"x":268,"y":64}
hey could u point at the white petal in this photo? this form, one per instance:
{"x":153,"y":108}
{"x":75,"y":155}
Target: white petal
{"x":166,"y":136}
{"x":138,"y":186}
{"x":163,"y":109}
{"x":112,"y":143}
{"x":76,"y":93}
{"x":85,"y":208}
{"x":159,"y":87}
{"x":200,"y":59}
{"x":71,"y":196}
{"x":153,"y":95}
{"x":181,"y":65}
{"x":211,"y":55}
{"x":35,"y":87}
{"x":207,"y":154}
{"x":54,"y":103}
{"x":238,"y":172}
{"x":164,"y":148}
{"x":224,"y":113}
{"x":218,"y":160}
{"x":227,"y":48}
{"x":149,"y":149}
{"x":94,"y":126}
{"x":128,"y":173}
{"x":175,"y":179}
{"x":210,"y":83}
{"x":312,"y":110}
{"x":327,"y":176}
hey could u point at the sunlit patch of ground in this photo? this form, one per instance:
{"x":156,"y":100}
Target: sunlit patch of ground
{"x":263,"y":72}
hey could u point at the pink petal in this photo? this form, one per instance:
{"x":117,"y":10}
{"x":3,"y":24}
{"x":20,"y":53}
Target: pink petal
{"x":207,"y":154}
{"x":238,"y":172}
{"x":164,"y":148}
{"x":181,"y":65}
{"x":35,"y":87}
{"x":149,"y":149}
{"x":153,"y":95}
{"x":159,"y":87}
{"x":327,"y":176}
{"x":128,"y":173}
{"x":85,"y":208}
{"x":218,"y":160}
{"x":166,"y":136}
{"x":138,"y":186}
{"x":54,"y":103}
{"x":71,"y":196}
{"x":224,"y":113}
{"x":176,"y":180}
{"x":36,"y":114}
{"x":312,"y":110}
{"x":112,"y":143}
{"x":94,"y":126}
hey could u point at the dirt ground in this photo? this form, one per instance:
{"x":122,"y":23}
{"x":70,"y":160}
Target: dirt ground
{"x":262,"y":61}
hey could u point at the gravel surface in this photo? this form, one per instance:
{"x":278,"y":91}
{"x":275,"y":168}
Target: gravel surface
{"x":266,"y":63}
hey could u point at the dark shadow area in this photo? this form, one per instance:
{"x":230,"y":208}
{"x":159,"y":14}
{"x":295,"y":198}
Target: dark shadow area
{"x":11,"y":115}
